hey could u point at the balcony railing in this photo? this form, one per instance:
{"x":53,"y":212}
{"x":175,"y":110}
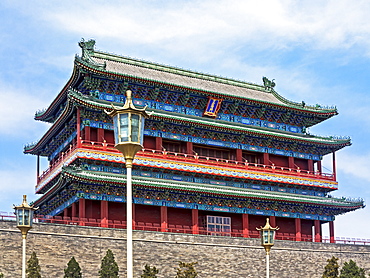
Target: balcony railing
{"x":220,"y":162}
{"x":182,"y":229}
{"x":190,"y":158}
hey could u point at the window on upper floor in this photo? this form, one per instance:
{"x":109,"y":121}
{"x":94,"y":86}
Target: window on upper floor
{"x":218,"y":225}
{"x":173,"y":146}
{"x":251,"y":157}
{"x":214,"y":152}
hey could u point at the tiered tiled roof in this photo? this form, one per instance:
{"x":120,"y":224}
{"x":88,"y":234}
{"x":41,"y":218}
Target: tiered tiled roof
{"x":118,"y":67}
{"x":197,"y":81}
{"x":119,"y":179}
{"x":88,"y":101}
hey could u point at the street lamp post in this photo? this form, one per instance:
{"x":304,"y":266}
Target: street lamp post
{"x":24,"y":214}
{"x":267,"y":241}
{"x":129,"y":134}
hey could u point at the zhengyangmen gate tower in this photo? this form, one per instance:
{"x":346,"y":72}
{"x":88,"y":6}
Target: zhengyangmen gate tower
{"x":219,"y":154}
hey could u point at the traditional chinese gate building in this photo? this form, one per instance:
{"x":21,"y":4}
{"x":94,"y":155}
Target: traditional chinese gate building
{"x":219,"y":154}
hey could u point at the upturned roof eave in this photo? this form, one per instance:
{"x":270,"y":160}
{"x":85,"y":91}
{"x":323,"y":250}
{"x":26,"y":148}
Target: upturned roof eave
{"x":60,"y":98}
{"x":51,"y":191}
{"x":119,"y":179}
{"x":180,"y":118}
{"x":50,"y":132}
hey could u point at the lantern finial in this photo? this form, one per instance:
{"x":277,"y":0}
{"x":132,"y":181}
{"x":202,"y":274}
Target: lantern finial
{"x":128,"y":94}
{"x":268,"y":226}
{"x":24,"y":203}
{"x":127,"y":107}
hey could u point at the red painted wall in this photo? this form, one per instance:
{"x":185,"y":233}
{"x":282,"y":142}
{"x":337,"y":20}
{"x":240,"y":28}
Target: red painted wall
{"x":88,"y":209}
{"x":116,"y":211}
{"x":92,"y":209}
{"x":147,"y":214}
{"x":279,"y":160}
{"x":183,"y":217}
{"x":149,"y":142}
{"x":306,"y":227}
{"x":93,"y":134}
{"x":109,"y":136}
{"x":236,"y":221}
{"x":256,"y":221}
{"x":301,"y":163}
{"x":177,"y":216}
{"x":96,"y":209}
{"x":286,"y":225}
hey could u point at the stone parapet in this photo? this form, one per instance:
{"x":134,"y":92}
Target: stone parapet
{"x":224,"y":257}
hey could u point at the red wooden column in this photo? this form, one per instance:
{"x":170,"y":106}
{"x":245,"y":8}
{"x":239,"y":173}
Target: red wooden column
{"x":319,"y":166}
{"x":310,"y":166}
{"x":317,"y":230}
{"x":245,"y":221}
{"x":133,"y":216}
{"x":239,"y":155}
{"x":38,"y":168}
{"x":266,"y":159}
{"x":158,"y":143}
{"x":334,"y":167}
{"x":65,"y":212}
{"x":273,"y":221}
{"x":164,"y":219}
{"x":189,"y":148}
{"x":100,"y":135}
{"x":298,"y":229}
{"x":78,"y":139}
{"x":74,"y":214}
{"x":194,"y":221}
{"x":291,"y":162}
{"x":82,"y":210}
{"x":87,"y":136}
{"x":331,"y":231}
{"x":104,"y":214}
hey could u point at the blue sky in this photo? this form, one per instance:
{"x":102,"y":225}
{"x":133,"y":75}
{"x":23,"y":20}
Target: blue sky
{"x":317,"y":51}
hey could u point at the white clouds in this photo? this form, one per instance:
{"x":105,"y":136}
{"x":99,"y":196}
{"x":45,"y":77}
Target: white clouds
{"x":17,"y":109}
{"x":14,"y":185}
{"x":355,"y":165}
{"x":264,"y":24}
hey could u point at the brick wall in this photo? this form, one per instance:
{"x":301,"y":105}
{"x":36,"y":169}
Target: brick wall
{"x":216,"y":256}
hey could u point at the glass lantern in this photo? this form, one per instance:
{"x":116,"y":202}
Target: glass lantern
{"x":128,"y":128}
{"x":128,"y":124}
{"x":267,"y":235}
{"x":24,"y":216}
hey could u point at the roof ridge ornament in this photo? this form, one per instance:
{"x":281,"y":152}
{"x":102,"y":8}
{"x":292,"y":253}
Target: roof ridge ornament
{"x":268,"y":84}
{"x":87,"y":51}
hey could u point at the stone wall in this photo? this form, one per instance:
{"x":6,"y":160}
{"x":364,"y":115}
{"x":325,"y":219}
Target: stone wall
{"x":216,"y":256}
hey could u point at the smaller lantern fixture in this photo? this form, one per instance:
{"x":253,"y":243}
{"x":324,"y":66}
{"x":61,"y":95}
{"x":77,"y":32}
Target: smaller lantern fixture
{"x":267,"y":241}
{"x":24,"y":215}
{"x":267,"y":235}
